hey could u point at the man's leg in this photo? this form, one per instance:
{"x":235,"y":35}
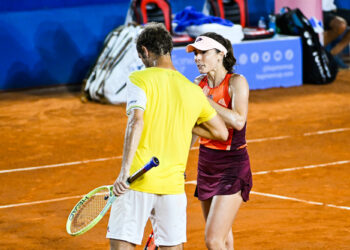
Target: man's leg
{"x":340,"y":46}
{"x":337,"y":27}
{"x":177,"y":247}
{"x":121,"y":245}
{"x":169,"y":221}
{"x":128,"y":217}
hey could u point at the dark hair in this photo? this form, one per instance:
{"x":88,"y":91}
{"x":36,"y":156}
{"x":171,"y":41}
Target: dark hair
{"x":229,"y":60}
{"x":155,"y":38}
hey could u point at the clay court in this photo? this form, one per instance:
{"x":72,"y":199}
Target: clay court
{"x":54,"y":149}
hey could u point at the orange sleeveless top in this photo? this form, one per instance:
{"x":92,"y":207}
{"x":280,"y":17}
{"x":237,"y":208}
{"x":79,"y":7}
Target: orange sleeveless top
{"x":220,"y":95}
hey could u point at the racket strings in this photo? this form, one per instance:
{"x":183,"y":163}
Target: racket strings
{"x":89,"y":211}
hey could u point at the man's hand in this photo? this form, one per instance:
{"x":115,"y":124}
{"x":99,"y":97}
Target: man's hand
{"x":120,"y":185}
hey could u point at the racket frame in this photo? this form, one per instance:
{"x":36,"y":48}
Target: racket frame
{"x":111,"y":198}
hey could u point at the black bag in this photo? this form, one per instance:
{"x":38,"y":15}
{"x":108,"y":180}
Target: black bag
{"x":319,"y":66}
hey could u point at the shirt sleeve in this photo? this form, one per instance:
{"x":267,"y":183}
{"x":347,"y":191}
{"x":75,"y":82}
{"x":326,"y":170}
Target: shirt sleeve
{"x":135,"y":98}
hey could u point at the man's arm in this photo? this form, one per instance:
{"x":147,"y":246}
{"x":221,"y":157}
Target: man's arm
{"x":131,"y":141}
{"x":213,"y":129}
{"x":193,"y":140}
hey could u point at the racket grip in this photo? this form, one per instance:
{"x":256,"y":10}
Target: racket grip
{"x":152,"y":163}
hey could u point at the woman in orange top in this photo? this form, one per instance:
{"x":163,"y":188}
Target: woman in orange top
{"x":224,"y":177}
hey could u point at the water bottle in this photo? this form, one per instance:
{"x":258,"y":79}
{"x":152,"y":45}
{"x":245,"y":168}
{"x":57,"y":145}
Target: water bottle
{"x":272,"y":23}
{"x":262,"y":23}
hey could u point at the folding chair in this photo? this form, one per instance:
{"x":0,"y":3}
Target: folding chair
{"x":234,"y":10}
{"x":144,"y":11}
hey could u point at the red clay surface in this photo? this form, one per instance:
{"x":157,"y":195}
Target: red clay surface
{"x":47,"y":127}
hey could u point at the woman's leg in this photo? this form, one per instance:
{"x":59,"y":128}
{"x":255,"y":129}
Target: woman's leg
{"x":219,"y":219}
{"x":205,"y":208}
{"x":229,"y":240}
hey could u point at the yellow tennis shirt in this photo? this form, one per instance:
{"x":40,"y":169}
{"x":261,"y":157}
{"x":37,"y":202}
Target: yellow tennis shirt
{"x":174,"y":105}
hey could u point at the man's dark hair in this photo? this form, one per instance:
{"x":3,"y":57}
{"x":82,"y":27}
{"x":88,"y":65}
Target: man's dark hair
{"x":229,"y":60}
{"x":156,"y":39}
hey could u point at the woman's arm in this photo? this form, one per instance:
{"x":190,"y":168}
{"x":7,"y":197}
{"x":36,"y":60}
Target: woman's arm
{"x":213,"y":129}
{"x":239,"y":91}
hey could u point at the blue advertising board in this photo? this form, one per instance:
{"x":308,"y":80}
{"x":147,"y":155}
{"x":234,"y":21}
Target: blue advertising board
{"x":266,"y":63}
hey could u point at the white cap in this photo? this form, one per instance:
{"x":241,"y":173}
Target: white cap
{"x":205,"y":43}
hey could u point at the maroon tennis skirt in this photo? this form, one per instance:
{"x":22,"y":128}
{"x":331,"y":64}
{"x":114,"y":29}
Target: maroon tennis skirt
{"x":222,"y":173}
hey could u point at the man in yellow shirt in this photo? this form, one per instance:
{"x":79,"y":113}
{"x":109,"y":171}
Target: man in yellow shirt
{"x":164,"y":108}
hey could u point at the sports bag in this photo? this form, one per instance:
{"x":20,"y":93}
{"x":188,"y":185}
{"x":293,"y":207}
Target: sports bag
{"x":319,"y":66}
{"x":106,"y":82}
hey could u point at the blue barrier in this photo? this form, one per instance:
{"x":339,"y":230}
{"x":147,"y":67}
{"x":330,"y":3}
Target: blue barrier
{"x":265,"y":63}
{"x":54,"y":42}
{"x":56,"y":46}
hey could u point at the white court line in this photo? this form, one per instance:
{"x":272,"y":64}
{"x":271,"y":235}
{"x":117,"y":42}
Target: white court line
{"x":299,"y":200}
{"x":288,"y":198}
{"x":193,"y":148}
{"x":60,"y":164}
{"x":304,"y":167}
{"x":269,"y":138}
{"x":194,"y":182}
{"x":41,"y":202}
{"x":188,"y":182}
{"x":326,"y":131}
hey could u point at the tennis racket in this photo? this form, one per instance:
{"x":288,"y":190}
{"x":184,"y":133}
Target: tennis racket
{"x":150,"y":244}
{"x":93,"y":206}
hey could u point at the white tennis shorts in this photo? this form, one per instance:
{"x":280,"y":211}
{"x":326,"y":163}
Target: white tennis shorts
{"x":130,"y":212}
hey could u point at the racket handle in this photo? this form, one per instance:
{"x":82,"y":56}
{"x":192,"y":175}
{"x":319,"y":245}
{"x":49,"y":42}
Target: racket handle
{"x":152,"y":163}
